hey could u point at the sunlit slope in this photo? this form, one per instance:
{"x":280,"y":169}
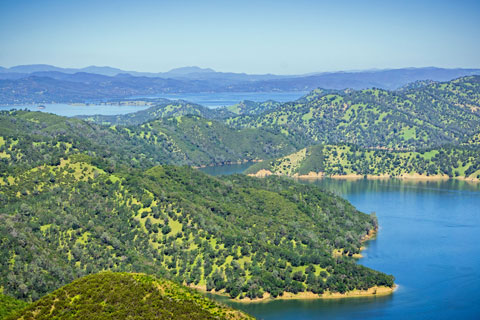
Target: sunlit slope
{"x":162,"y":109}
{"x":345,"y":160}
{"x":243,"y":236}
{"x":415,"y":117}
{"x":109,"y":295}
{"x":28,"y":138}
{"x":9,"y":305}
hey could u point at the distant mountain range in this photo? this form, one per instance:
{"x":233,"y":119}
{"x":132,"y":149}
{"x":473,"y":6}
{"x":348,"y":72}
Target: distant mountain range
{"x":191,"y":72}
{"x":46,"y":83}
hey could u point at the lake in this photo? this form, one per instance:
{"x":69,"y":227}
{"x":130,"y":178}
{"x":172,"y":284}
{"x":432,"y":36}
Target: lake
{"x":429,"y":239}
{"x":220,"y":99}
{"x":211,"y":100}
{"x":63,"y":109}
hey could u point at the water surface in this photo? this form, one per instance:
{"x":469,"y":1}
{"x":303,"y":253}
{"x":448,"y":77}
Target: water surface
{"x":67,"y":110}
{"x":211,"y":100}
{"x":429,"y":239}
{"x":226,"y":169}
{"x":214,"y":100}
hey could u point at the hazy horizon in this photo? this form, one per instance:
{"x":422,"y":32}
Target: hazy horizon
{"x":206,"y":67}
{"x":248,"y":37}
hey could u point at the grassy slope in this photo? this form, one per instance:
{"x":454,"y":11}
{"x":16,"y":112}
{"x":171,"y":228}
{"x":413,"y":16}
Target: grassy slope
{"x":347,"y":159}
{"x":417,"y":117}
{"x":160,"y":110}
{"x":10,"y":305}
{"x":110,"y":295}
{"x":28,"y":137}
{"x":168,"y":109}
{"x":204,"y":141}
{"x":243,"y":235}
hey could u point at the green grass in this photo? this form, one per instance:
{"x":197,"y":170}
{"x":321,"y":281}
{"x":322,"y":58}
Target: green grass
{"x":9,"y":305}
{"x":110,"y":295}
{"x":349,"y":159}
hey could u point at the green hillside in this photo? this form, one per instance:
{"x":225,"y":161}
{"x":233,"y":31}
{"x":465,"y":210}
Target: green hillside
{"x":78,"y":197}
{"x":341,"y":160}
{"x":9,"y":305}
{"x":109,"y":295}
{"x":34,"y":138}
{"x":247,"y":107}
{"x":169,"y":109}
{"x":239,"y":235}
{"x":160,"y":110}
{"x":421,"y":116}
{"x":200,"y":141}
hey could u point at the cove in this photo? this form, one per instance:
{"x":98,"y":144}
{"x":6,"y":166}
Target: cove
{"x":429,"y":239}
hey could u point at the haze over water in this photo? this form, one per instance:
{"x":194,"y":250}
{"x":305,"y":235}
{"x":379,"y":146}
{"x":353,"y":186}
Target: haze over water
{"x":429,"y":240}
{"x":210,"y":100}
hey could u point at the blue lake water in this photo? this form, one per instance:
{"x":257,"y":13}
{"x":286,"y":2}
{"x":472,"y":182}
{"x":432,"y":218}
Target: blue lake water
{"x":214,"y":100}
{"x":211,"y":100}
{"x":63,"y":109}
{"x":429,"y":239}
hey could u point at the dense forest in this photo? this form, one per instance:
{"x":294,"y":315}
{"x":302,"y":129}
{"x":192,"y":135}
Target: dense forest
{"x":237,"y":234}
{"x":422,"y":116}
{"x":9,"y":305}
{"x":109,"y":295}
{"x":35,"y":138}
{"x":163,"y":108}
{"x":341,"y":160}
{"x":81,"y":196}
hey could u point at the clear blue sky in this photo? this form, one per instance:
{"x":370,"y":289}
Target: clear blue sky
{"x":283,"y":37}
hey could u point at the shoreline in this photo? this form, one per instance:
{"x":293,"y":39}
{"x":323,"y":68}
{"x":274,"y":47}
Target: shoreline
{"x":375,"y":291}
{"x":225,"y":163}
{"x":369,"y":236}
{"x":320,"y":175}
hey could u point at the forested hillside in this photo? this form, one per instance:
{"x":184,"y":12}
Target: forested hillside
{"x":169,"y":109}
{"x":82,"y":196}
{"x":200,"y":141}
{"x":244,"y":236}
{"x":162,"y":109}
{"x":420,"y":116}
{"x":251,"y":107}
{"x":346,"y":160}
{"x":35,"y":138}
{"x":109,"y":295}
{"x":9,"y":305}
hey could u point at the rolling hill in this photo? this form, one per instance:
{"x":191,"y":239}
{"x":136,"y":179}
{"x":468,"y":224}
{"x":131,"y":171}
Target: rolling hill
{"x":35,"y":137}
{"x":421,"y":116}
{"x":163,"y":109}
{"x":350,"y":161}
{"x":9,"y":305}
{"x":245,"y":237}
{"x":109,"y":295}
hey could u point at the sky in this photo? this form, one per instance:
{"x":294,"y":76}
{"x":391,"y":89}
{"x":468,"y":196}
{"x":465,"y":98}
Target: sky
{"x":280,"y":37}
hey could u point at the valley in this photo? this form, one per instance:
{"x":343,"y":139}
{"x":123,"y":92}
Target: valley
{"x":82,"y":195}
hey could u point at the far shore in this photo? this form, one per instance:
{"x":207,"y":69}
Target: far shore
{"x":320,"y":175}
{"x":375,"y":291}
{"x":225,"y":163}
